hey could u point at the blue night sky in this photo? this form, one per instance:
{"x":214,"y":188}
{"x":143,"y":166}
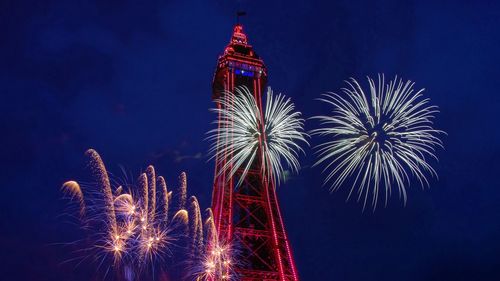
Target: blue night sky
{"x":132,"y":79}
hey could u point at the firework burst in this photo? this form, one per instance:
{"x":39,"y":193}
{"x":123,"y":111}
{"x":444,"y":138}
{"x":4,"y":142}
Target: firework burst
{"x":247,"y":133}
{"x":378,"y":140}
{"x":130,"y":230}
{"x":216,"y":261}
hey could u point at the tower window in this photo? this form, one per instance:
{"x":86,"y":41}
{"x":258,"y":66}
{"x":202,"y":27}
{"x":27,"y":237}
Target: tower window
{"x":243,"y":72}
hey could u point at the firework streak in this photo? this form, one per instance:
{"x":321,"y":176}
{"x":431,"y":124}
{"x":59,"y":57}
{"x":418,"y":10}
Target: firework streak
{"x":134,"y":232}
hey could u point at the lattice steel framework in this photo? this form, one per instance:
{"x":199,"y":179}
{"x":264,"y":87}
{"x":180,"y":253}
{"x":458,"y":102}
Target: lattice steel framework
{"x":248,"y":216}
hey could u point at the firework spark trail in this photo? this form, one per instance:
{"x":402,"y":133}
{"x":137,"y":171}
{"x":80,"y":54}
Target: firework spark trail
{"x":119,"y":190}
{"x":182,"y":191}
{"x":377,"y":138}
{"x":139,"y":234}
{"x":100,"y":173}
{"x":143,"y":185}
{"x":181,"y":218}
{"x":211,"y":231}
{"x":73,"y":189}
{"x":243,"y":127}
{"x":164,"y":206}
{"x":124,"y":204}
{"x":150,"y":173}
{"x":195,"y":228}
{"x":181,"y":215}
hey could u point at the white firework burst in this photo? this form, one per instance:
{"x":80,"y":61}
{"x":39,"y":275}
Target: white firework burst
{"x":246,"y":134}
{"x":378,"y":140}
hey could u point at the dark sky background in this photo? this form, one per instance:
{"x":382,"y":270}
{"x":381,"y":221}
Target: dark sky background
{"x":132,"y":79}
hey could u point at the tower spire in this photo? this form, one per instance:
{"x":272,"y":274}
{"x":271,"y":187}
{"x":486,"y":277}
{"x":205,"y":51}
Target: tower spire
{"x":239,"y":37}
{"x":248,"y":217}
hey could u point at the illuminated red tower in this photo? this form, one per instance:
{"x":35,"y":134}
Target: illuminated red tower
{"x":248,"y":216}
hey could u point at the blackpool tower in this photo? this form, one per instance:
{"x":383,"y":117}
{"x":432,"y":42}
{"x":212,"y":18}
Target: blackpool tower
{"x":248,"y":215}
